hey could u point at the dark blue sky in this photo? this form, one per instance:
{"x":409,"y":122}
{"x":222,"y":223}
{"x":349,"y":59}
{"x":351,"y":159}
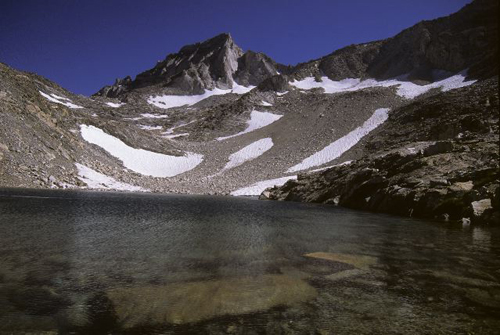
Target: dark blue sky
{"x":84,"y":45}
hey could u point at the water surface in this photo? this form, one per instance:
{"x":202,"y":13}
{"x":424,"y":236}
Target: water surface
{"x":87,"y":262}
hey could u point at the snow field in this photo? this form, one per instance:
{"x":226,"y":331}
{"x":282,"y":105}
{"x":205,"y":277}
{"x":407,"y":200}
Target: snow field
{"x":94,"y":179}
{"x":337,"y":148}
{"x":249,"y":152}
{"x":406,"y":89}
{"x":59,"y":100}
{"x":170,"y":101}
{"x":259,"y":187}
{"x":142,"y":161}
{"x":257,"y":120}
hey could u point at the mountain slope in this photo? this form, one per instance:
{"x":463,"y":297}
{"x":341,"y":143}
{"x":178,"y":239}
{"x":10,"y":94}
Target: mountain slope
{"x":467,"y":39}
{"x":212,"y":118}
{"x":436,"y":158}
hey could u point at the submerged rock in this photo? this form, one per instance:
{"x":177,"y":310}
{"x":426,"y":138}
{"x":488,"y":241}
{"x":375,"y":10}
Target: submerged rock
{"x":345,"y":274}
{"x":358,"y":261}
{"x":182,"y":303}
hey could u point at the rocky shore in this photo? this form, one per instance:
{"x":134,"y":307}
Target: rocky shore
{"x":436,"y":158}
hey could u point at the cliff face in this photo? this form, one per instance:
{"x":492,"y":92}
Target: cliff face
{"x":466,"y":39}
{"x":436,"y":158}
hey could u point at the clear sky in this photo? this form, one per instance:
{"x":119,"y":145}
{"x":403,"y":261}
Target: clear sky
{"x":85,"y":44}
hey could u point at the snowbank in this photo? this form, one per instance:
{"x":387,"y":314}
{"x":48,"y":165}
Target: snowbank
{"x":257,"y":120}
{"x":114,"y":105}
{"x":259,"y":187}
{"x":94,"y":179}
{"x":406,"y":89}
{"x":154,"y":116}
{"x":170,"y":131}
{"x":146,"y":127}
{"x":249,"y":152}
{"x":59,"y":100}
{"x":337,"y":148}
{"x":331,"y":166}
{"x":170,"y":101}
{"x":176,"y":135}
{"x":145,"y":162}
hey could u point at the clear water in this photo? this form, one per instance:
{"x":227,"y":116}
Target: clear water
{"x":90,"y":263}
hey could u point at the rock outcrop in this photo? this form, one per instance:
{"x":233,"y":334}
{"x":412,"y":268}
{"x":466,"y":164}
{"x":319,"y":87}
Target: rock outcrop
{"x":436,"y":158}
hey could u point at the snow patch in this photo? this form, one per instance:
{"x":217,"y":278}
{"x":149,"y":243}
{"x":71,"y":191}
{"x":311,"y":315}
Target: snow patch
{"x":240,"y":89}
{"x":170,"y":131}
{"x":170,"y":101}
{"x":146,"y":127}
{"x":265,"y":103}
{"x":59,"y":97}
{"x":176,"y":135}
{"x":259,"y":187}
{"x":249,"y":152}
{"x":281,"y":93}
{"x":94,"y":179}
{"x":337,"y":148}
{"x":406,"y":89}
{"x":59,"y":100}
{"x":145,"y":162}
{"x":154,"y":116}
{"x":331,"y":166}
{"x":257,"y":120}
{"x":114,"y":105}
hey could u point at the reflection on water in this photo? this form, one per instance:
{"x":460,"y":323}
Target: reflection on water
{"x":95,"y":263}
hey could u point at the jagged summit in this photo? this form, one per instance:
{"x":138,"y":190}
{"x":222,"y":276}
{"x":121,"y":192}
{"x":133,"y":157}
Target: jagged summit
{"x":214,"y":63}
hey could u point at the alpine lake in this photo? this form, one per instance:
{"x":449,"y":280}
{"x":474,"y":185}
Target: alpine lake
{"x":78,"y":262}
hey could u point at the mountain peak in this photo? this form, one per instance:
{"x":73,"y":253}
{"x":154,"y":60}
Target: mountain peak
{"x":211,"y":43}
{"x":213,"y":63}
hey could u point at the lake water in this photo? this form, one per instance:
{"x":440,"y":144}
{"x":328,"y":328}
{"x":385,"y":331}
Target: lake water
{"x":91,"y":263}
